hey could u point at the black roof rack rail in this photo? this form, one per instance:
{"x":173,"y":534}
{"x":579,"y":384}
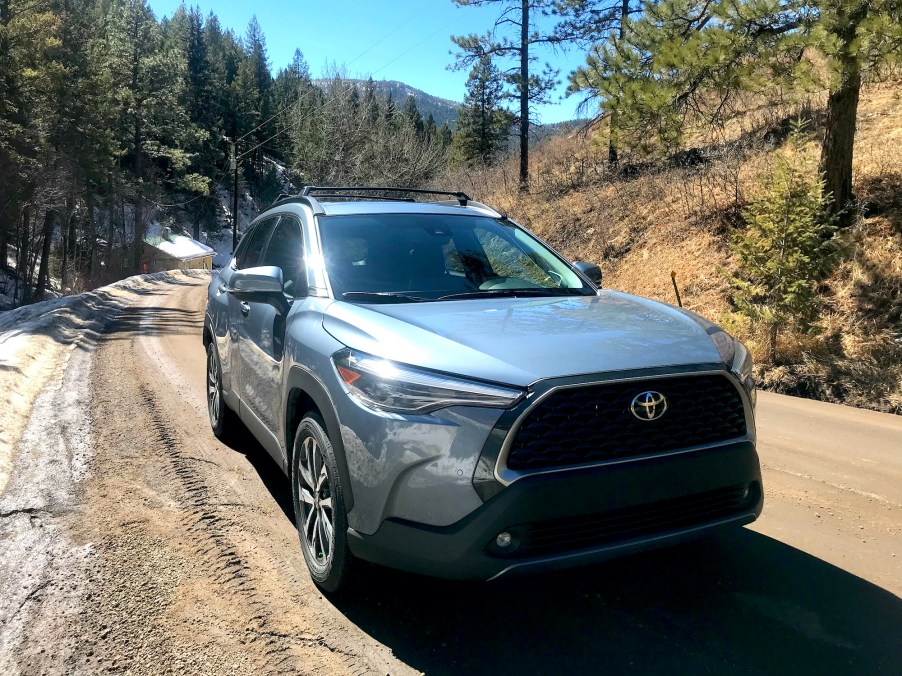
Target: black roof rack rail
{"x":383,"y":198}
{"x":461,"y":197}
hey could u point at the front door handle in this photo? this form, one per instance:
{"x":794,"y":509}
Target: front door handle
{"x":245,"y":308}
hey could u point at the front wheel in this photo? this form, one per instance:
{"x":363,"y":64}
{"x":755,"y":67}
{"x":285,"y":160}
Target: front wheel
{"x":319,"y":508}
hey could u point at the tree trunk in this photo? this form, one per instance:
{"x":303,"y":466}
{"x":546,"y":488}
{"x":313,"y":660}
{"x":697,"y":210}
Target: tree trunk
{"x":613,"y":157}
{"x":4,"y":240}
{"x":842,"y":110}
{"x":22,"y":254}
{"x":44,"y":269}
{"x":139,"y":231}
{"x":524,"y":96}
{"x":67,"y":232}
{"x":839,"y":141}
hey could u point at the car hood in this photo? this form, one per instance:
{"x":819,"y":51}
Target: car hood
{"x":519,"y":341}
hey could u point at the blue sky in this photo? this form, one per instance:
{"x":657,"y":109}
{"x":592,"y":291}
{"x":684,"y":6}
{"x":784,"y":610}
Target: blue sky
{"x":405,"y":40}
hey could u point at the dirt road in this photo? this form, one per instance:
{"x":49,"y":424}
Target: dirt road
{"x":133,"y":541}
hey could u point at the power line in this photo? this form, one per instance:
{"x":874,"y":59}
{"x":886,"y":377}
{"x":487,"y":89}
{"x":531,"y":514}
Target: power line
{"x":179,"y":205}
{"x":270,"y":119}
{"x":387,"y":36}
{"x":293,"y":125}
{"x":424,"y":40}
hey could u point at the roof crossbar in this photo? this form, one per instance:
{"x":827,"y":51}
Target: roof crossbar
{"x":461,"y":197}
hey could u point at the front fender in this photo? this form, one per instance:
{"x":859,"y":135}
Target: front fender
{"x":303,"y":382}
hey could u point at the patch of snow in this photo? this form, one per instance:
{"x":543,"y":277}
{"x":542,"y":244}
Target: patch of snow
{"x":36,"y":342}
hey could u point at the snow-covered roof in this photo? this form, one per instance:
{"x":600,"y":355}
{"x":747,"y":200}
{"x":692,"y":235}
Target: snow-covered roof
{"x":180,"y":246}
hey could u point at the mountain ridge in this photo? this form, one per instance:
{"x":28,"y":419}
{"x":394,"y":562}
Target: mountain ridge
{"x":443,"y":110}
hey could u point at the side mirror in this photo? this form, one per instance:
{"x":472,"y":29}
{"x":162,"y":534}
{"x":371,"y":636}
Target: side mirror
{"x":260,"y":285}
{"x":590,"y":270}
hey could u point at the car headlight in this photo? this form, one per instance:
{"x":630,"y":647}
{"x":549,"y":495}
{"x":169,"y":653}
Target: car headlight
{"x":388,"y":386}
{"x":737,"y":357}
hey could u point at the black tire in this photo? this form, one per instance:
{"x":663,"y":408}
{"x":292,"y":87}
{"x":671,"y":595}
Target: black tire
{"x":223,"y":420}
{"x":329,"y":563}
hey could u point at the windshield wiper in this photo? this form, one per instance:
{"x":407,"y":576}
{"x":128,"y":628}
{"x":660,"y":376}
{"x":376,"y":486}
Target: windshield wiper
{"x":382,"y":297}
{"x":514,"y":293}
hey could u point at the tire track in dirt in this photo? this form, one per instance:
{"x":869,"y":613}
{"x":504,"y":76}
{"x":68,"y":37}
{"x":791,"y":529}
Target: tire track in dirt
{"x":189,"y":541}
{"x":209,"y":527}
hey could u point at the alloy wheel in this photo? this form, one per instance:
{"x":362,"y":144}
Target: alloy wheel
{"x":315,"y":494}
{"x":214,"y":402}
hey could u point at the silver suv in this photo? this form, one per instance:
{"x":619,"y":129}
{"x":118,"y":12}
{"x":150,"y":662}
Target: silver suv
{"x":450,"y":396}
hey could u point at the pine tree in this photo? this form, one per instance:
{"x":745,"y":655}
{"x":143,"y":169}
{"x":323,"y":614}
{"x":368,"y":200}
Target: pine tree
{"x":147,"y":78}
{"x":529,"y":87}
{"x":787,"y":246}
{"x":429,"y":128}
{"x":482,"y":125}
{"x":413,"y":115}
{"x":589,"y":22}
{"x":688,"y":58}
{"x":252,"y":85}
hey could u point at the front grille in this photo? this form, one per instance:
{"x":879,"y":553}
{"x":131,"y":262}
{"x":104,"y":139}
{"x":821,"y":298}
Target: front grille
{"x":552,"y":537}
{"x":594,"y":423}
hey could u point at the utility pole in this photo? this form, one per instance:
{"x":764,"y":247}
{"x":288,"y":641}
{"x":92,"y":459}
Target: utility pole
{"x":234,"y":167}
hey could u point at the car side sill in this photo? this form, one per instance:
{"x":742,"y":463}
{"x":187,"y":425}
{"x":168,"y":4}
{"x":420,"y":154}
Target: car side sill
{"x":262,"y":434}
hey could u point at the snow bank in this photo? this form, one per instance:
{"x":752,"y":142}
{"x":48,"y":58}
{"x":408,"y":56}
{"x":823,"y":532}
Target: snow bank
{"x":37,"y":340}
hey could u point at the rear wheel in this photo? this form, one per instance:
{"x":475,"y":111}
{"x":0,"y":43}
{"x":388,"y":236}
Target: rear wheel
{"x":319,"y":505}
{"x":222,"y":418}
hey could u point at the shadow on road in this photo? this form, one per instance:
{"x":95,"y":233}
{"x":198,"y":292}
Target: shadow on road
{"x":243,"y":442}
{"x":740,"y":602}
{"x":153,"y":320}
{"x":103,"y":315}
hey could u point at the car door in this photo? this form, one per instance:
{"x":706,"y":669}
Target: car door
{"x":263,"y":329}
{"x":246,"y":256}
{"x":225,"y":314}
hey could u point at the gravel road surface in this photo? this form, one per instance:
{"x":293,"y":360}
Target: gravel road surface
{"x":133,"y":541}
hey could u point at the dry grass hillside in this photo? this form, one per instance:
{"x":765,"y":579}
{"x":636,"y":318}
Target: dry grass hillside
{"x":648,"y":220}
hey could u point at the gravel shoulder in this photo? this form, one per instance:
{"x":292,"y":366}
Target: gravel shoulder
{"x":133,"y":541}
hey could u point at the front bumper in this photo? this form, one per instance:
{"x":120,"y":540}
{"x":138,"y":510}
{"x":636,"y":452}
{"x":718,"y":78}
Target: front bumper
{"x":639,"y":505}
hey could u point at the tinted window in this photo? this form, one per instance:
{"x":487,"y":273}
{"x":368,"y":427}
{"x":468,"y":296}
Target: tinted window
{"x":248,"y":252}
{"x":431,"y":255}
{"x":285,"y":250}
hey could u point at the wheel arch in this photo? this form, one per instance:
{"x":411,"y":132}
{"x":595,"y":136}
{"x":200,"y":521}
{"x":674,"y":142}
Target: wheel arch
{"x":208,"y":335}
{"x":306,"y":393}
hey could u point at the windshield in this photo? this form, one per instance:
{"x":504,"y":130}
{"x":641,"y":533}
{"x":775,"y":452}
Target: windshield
{"x":421,"y":257}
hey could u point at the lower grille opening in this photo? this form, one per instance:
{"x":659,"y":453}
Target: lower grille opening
{"x":621,"y":525}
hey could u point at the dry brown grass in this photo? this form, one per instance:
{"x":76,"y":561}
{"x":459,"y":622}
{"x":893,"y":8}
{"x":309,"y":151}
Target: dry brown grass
{"x":644,"y":223}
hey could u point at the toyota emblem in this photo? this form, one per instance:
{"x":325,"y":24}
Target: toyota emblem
{"x":649,"y":405}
